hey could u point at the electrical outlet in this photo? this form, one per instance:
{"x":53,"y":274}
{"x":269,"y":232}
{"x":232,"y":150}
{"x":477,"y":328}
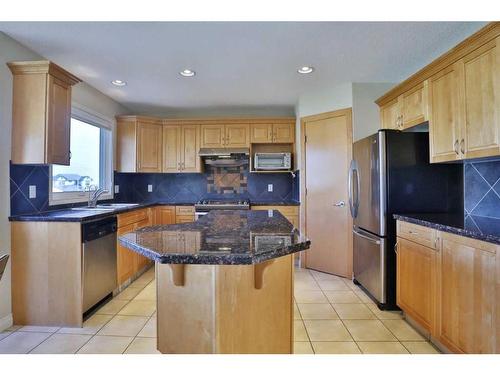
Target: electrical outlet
{"x":270,"y":188}
{"x":270,"y":213}
{"x":150,"y":188}
{"x":32,"y":191}
{"x":117,"y":189}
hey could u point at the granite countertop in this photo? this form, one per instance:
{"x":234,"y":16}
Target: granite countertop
{"x":477,"y":227}
{"x":235,"y":237}
{"x":69,"y":215}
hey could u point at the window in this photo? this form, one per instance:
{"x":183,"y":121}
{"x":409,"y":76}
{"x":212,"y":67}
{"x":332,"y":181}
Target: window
{"x":91,"y":160}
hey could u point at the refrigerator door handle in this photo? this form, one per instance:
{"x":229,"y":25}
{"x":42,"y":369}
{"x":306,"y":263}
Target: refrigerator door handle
{"x":353,"y":206}
{"x":356,"y":232}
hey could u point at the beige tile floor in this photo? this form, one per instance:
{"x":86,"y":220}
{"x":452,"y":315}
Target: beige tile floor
{"x":332,"y":316}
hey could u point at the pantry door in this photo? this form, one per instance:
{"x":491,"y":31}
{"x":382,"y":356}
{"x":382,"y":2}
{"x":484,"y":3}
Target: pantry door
{"x":327,"y":152}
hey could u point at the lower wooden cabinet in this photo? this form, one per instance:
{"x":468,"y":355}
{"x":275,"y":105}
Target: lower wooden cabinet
{"x":416,"y":276}
{"x":165,"y":215}
{"x":452,"y":289}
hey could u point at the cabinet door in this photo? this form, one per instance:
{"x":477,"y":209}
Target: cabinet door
{"x":149,"y":150}
{"x":414,"y":106}
{"x":171,"y":149}
{"x":261,"y":133}
{"x":466,"y":295}
{"x":237,"y":135}
{"x":126,"y":259}
{"x":212,"y":136}
{"x":190,"y":145}
{"x":481,"y":71}
{"x":58,"y":122}
{"x":445,"y":120}
{"x":283,"y":133}
{"x":141,"y":261}
{"x":416,"y":275}
{"x":390,"y":115}
{"x":165,"y":215}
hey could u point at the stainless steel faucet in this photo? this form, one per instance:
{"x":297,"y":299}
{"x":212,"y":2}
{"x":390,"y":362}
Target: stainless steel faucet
{"x":94,"y":195}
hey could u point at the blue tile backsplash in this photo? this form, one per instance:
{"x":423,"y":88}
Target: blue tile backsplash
{"x":482,"y":192}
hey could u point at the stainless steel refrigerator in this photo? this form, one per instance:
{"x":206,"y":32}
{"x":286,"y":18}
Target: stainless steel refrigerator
{"x":390,"y":173}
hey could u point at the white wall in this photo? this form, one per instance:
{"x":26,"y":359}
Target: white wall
{"x":365,"y":113}
{"x":10,"y":50}
{"x":320,"y":101}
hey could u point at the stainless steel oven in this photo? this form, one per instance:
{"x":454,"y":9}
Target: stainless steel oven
{"x":272,"y":161}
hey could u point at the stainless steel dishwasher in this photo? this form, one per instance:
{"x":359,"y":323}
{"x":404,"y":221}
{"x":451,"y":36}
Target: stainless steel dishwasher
{"x":99,"y":260}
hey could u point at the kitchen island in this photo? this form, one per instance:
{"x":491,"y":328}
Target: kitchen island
{"x":224,"y":283}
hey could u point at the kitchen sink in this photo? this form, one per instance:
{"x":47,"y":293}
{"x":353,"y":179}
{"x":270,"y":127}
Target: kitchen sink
{"x":96,"y":209}
{"x":116,"y":205}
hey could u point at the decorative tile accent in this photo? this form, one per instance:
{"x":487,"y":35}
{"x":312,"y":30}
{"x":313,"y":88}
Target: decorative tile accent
{"x":227,"y":180}
{"x":482,"y":189}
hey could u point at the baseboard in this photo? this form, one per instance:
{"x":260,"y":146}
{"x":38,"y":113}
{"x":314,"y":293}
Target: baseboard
{"x":6,"y":322}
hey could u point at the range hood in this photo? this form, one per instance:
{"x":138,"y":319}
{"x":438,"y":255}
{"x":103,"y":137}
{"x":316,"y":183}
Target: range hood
{"x":225,"y":157}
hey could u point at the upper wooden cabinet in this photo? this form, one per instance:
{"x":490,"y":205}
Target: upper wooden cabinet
{"x":272,"y":133}
{"x":181,"y":144}
{"x":459,"y":94}
{"x":226,"y":135}
{"x":41,"y":113}
{"x":409,"y":109}
{"x":139,"y":144}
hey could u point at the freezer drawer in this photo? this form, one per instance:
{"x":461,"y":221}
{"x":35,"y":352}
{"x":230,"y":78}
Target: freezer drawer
{"x":369,"y":264}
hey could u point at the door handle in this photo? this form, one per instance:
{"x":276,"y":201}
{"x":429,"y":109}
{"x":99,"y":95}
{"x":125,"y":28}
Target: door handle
{"x":339,"y":204}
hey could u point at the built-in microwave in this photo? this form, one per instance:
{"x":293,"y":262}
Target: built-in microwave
{"x":272,"y":161}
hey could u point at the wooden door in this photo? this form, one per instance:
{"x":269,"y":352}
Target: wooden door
{"x":261,"y":133}
{"x":414,"y":106}
{"x":149,"y":147}
{"x":481,"y":85}
{"x":390,"y":115}
{"x":57,"y":139}
{"x":237,"y":135}
{"x":212,"y":136}
{"x":126,"y":263}
{"x":283,"y":133}
{"x":165,"y":215}
{"x":445,"y":120}
{"x":328,"y":152}
{"x":190,"y":145}
{"x":416,"y":275}
{"x":466,"y":295}
{"x":171,"y":149}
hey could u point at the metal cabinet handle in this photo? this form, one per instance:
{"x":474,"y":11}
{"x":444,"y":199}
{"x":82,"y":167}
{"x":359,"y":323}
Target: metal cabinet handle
{"x":396,"y":248}
{"x":462,"y":146}
{"x":455,"y":146}
{"x":339,"y":204}
{"x":412,"y":232}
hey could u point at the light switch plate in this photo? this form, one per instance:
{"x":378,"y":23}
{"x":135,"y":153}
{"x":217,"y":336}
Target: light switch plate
{"x":150,"y":188}
{"x":32,"y":192}
{"x":117,"y":189}
{"x":270,"y":188}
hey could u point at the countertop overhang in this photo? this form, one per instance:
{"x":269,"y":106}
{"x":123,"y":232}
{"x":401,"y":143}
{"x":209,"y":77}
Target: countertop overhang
{"x":237,"y":237}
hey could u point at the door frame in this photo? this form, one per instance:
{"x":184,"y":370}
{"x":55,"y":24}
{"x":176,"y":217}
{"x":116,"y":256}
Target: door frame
{"x":303,"y":178}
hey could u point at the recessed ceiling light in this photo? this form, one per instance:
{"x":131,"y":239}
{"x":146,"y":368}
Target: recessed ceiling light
{"x":305,"y":70}
{"x":187,"y":73}
{"x":118,"y":82}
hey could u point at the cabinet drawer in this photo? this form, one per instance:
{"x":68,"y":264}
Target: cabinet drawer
{"x":184,"y":219}
{"x":417,"y":233}
{"x":285,"y":210}
{"x":132,"y":217}
{"x":184,"y":210}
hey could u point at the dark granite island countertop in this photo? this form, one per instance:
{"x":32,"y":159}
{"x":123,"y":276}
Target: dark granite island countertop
{"x":220,"y":237}
{"x":477,"y":227}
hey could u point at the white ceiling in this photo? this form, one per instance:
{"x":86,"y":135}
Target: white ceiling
{"x":238,"y":65}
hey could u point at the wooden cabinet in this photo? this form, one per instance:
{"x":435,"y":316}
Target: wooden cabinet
{"x":416,"y":275}
{"x":272,"y":133}
{"x":291,"y":213}
{"x":226,"y":135}
{"x":41,"y":113}
{"x":184,"y":214}
{"x":467,"y":295}
{"x":450,"y":285}
{"x":181,"y":144}
{"x":139,"y":144}
{"x":129,"y":262}
{"x":407,"y":110}
{"x":481,"y":101}
{"x":165,"y":215}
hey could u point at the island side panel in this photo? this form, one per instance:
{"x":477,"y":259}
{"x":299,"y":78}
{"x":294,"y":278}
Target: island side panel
{"x":251,"y":320}
{"x":46,"y":274}
{"x":186,"y":313}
